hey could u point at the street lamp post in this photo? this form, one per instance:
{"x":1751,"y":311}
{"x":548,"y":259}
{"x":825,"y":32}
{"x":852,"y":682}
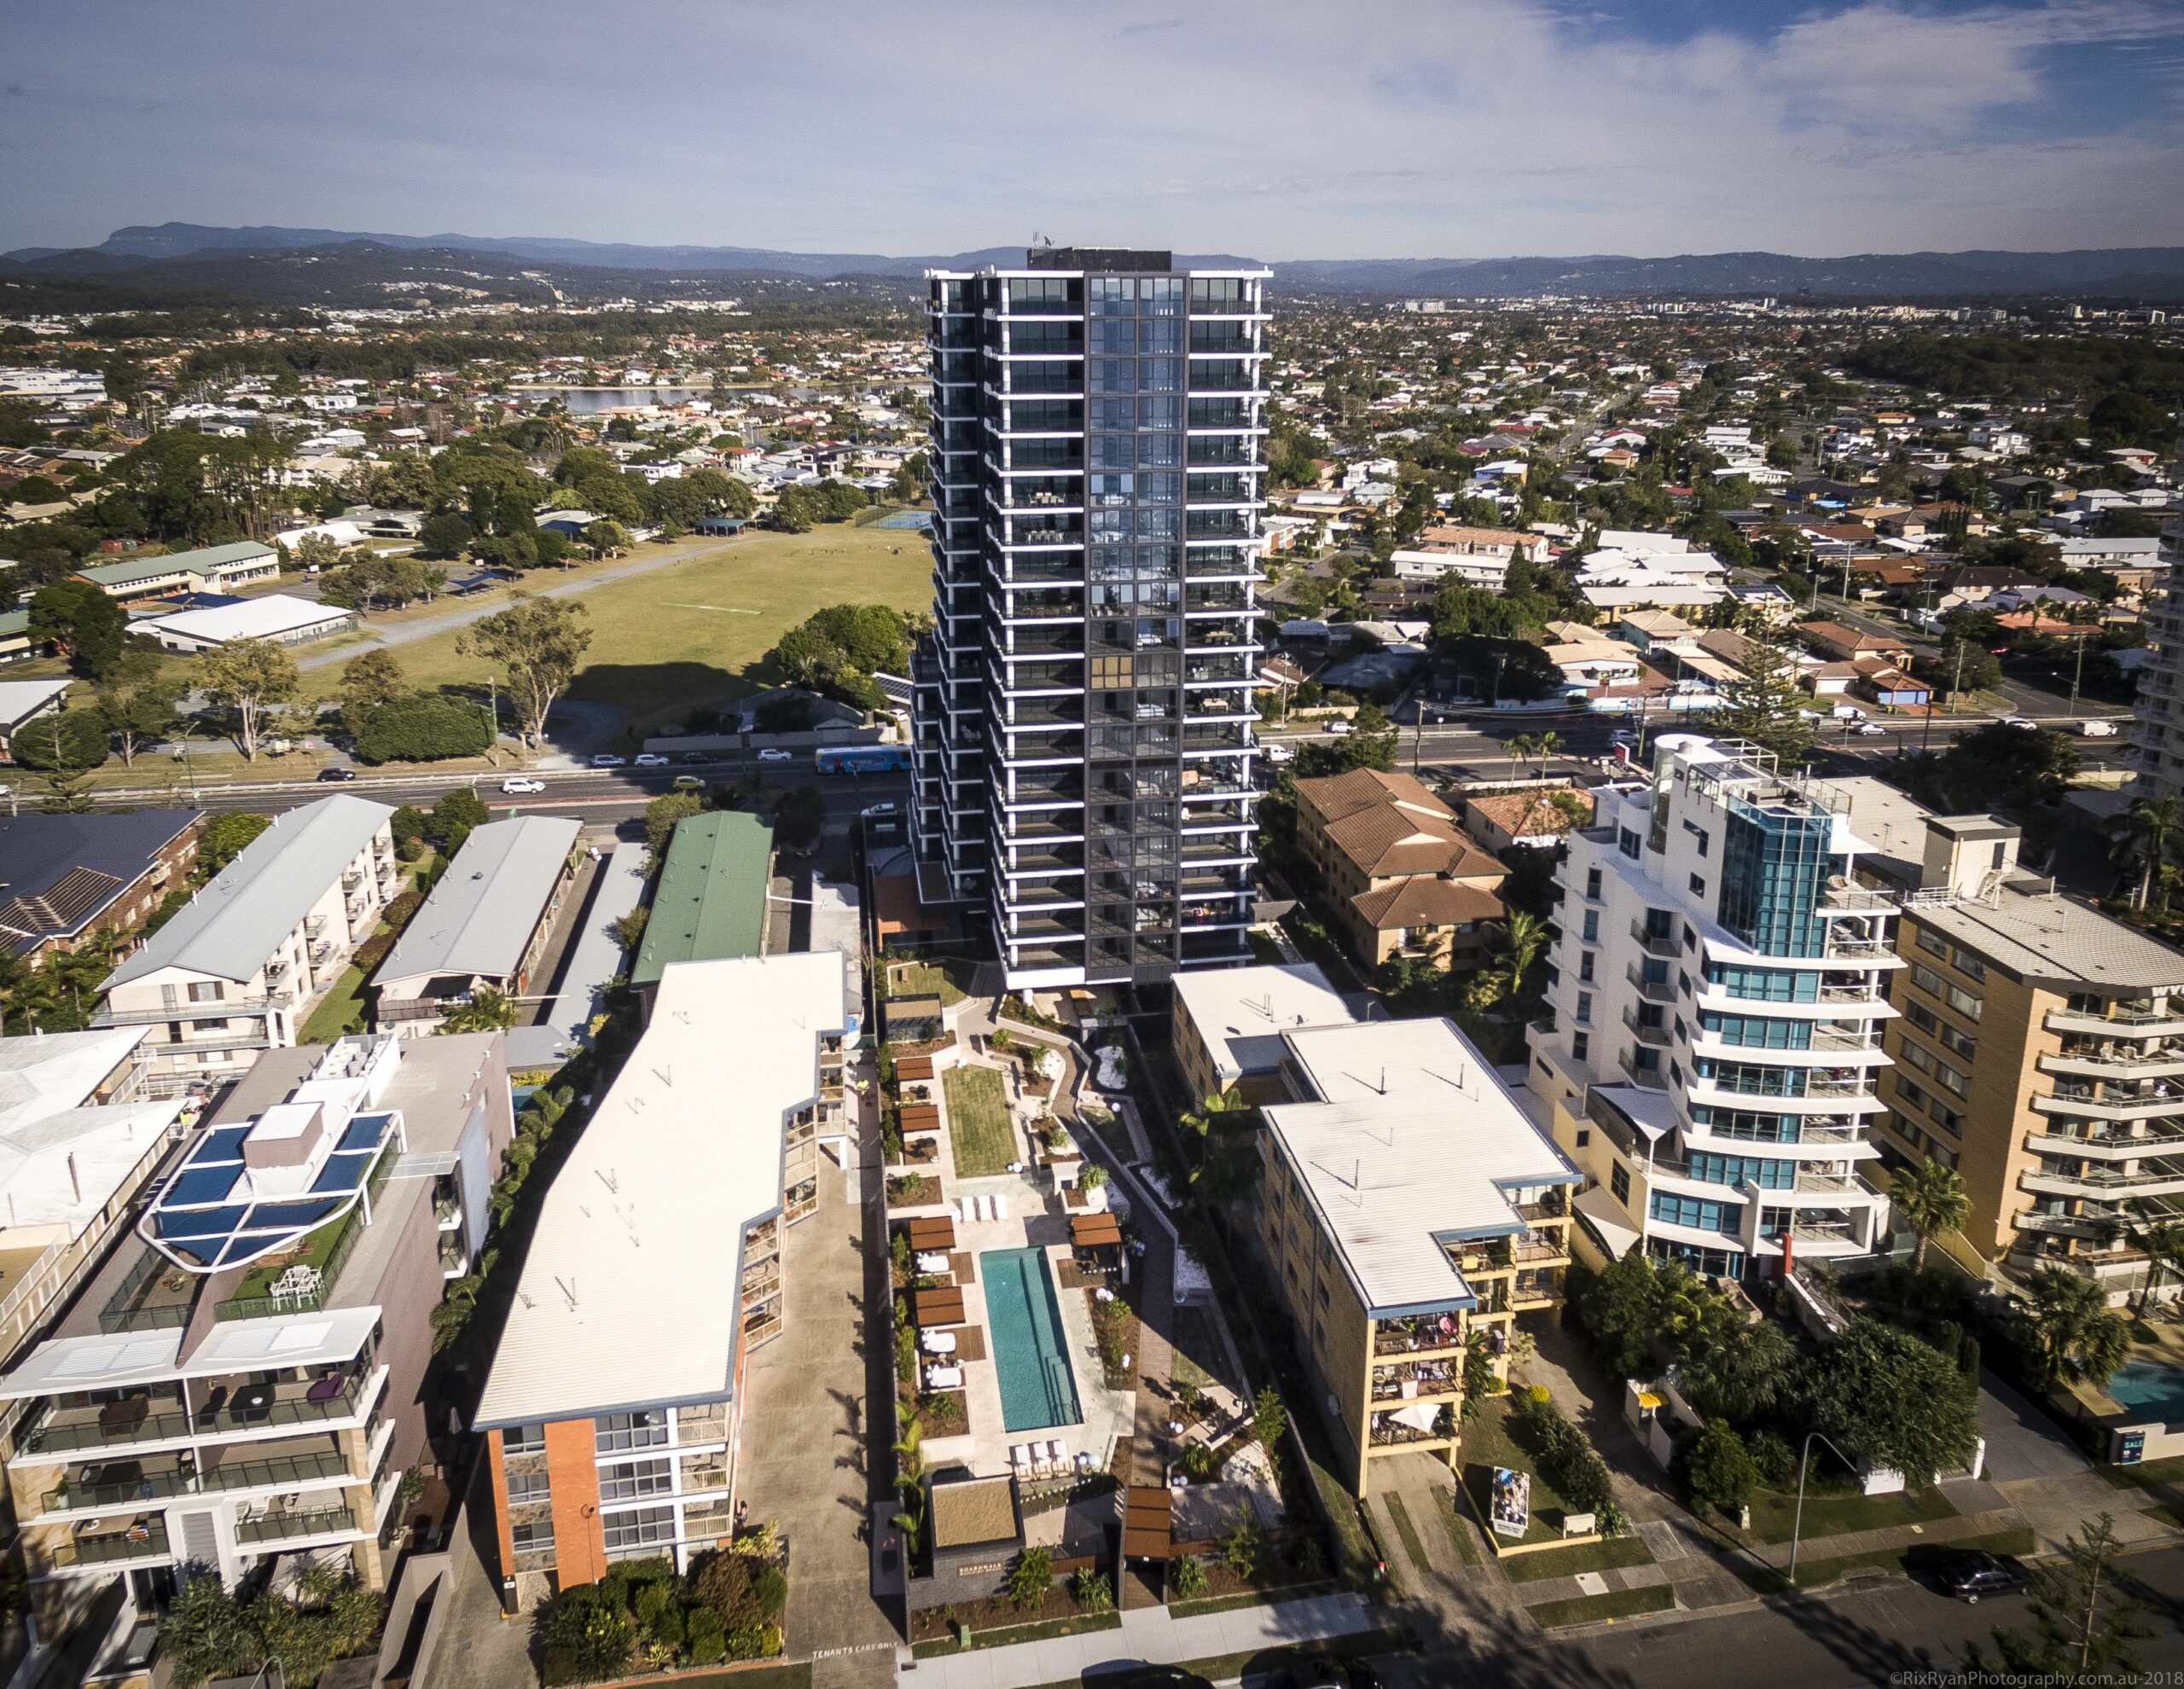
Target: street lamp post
{"x":1798,"y":1519}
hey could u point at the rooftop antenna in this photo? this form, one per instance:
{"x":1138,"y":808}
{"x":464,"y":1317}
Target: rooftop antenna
{"x":568,"y":1290}
{"x":609,"y":1178}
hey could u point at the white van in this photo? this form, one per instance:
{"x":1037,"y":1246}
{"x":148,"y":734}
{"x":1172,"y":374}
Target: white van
{"x":2097,"y":728}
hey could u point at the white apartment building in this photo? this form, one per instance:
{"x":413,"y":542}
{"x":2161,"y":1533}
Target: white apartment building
{"x":1721,"y":982}
{"x":2158,"y":719}
{"x":236,"y":970}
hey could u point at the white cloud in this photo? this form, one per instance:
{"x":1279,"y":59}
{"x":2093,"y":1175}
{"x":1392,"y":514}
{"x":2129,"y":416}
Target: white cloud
{"x":1284,"y":128}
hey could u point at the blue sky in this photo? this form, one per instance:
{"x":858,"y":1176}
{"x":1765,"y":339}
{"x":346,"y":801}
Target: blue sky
{"x":1284,"y":129}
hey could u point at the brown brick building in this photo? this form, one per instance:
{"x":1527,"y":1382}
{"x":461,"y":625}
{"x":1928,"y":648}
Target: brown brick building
{"x":1397,"y":873}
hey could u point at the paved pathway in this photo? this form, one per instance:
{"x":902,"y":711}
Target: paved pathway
{"x":804,"y":1455}
{"x":386,"y":634}
{"x":1150,"y":1635}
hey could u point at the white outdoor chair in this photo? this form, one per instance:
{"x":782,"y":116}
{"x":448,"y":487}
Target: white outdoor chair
{"x":1000,"y":1202}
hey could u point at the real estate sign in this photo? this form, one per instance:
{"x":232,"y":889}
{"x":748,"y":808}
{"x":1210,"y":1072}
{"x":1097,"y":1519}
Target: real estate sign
{"x":1511,"y":1510}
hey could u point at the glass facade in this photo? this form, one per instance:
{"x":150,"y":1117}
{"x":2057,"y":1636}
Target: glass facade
{"x":1773,"y":867}
{"x":1083,"y":720}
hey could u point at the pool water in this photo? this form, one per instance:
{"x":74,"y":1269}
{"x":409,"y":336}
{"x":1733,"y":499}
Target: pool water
{"x":2154,"y":1389}
{"x":1030,"y":1355}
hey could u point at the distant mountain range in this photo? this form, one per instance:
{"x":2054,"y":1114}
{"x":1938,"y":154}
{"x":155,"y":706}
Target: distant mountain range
{"x":264,"y":262}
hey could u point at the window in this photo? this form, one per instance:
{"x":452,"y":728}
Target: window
{"x":1580,"y":1046}
{"x":1584,"y":1137}
{"x":1626,"y":841}
{"x":1933,"y":943}
{"x":526,"y":1486}
{"x":1710,"y":1168}
{"x":1953,"y":1079}
{"x":636,"y":1480}
{"x":1969,"y":965}
{"x":639,"y":1529}
{"x":1694,"y":1211}
{"x":1910,"y":1095}
{"x":1921,"y":1016}
{"x":645,"y":1428}
{"x":206,"y":991}
{"x":524,"y":1440}
{"x":1698,"y":886}
{"x":1618,"y":1183}
{"x":1963,"y":1002}
{"x":533,"y":1537}
{"x":1585,"y":964}
{"x":1584,"y":1008}
{"x":1593,"y":884}
{"x":1592,"y":930}
{"x":1926,"y":980}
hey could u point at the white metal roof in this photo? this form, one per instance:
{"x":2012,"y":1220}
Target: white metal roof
{"x":231,"y":926}
{"x":266,"y":618}
{"x":62,"y":1158}
{"x":628,"y":1295}
{"x":20,"y":700}
{"x":116,"y":1361}
{"x":1241,"y":1012}
{"x":1415,"y":1140}
{"x":480,"y":916}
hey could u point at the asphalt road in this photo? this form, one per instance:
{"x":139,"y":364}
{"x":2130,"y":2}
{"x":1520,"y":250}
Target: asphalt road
{"x":1881,"y":1631}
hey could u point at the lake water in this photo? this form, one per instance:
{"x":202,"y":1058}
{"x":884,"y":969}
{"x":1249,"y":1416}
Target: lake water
{"x":581,"y":400}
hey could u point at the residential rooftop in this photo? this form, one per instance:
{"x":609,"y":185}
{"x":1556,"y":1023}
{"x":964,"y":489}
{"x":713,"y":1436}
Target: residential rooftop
{"x":711,"y":900}
{"x":1242,"y":1012}
{"x":2041,"y":935}
{"x":62,"y":872}
{"x":627,"y":1296}
{"x":63,"y":1155}
{"x":133,"y":569}
{"x":480,"y":917}
{"x":1413,"y":1142}
{"x":233,"y":923}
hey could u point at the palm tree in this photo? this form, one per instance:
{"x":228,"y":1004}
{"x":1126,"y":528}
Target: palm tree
{"x":2144,"y":834}
{"x":1931,"y":1199}
{"x":2161,"y":1237}
{"x":1520,"y":748}
{"x":1523,"y":939}
{"x":489,"y":1010}
{"x":2069,"y":1329}
{"x":1546,"y":746}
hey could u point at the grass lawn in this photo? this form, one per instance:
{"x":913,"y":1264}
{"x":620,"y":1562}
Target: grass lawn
{"x":2148,"y":1475}
{"x":698,"y":631}
{"x":1603,"y":1556}
{"x":945,"y":980}
{"x":977,"y":1121}
{"x":341,"y":1010}
{"x":1487,"y":1444}
{"x":1408,"y":1532}
{"x":1832,"y":1513}
{"x":1592,"y":1609}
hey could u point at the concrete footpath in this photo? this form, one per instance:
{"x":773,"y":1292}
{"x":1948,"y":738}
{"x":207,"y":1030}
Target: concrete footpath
{"x":1149,"y":1636}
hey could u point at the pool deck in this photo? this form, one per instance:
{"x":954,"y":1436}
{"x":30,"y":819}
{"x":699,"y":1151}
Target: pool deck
{"x":1037,"y":1220}
{"x":2159,"y":1342}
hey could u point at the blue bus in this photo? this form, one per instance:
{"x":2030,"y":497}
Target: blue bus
{"x":860,"y":758}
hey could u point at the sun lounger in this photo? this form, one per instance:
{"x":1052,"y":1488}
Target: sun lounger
{"x":932,"y":1263}
{"x":937,"y":1342}
{"x":1000,"y":1206}
{"x":1019,"y":1462}
{"x":1058,"y":1459}
{"x":944,"y":1378}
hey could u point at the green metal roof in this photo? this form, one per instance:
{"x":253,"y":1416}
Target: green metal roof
{"x":132,"y":569}
{"x":711,"y":900}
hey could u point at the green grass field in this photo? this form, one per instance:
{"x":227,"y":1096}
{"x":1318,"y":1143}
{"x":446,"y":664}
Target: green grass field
{"x":978,"y":1122}
{"x":698,"y":631}
{"x":1602,"y":1556}
{"x":1592,"y":1609}
{"x":1844,"y":1510}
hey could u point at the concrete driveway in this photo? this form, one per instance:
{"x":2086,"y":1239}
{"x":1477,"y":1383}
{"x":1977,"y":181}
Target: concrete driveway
{"x":2022,"y":1442}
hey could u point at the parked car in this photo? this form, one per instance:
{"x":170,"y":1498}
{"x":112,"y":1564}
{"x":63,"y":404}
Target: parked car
{"x":652,"y":759}
{"x":1968,"y":1574}
{"x":697,"y":756}
{"x":1323,"y":1671}
{"x":875,"y":811}
{"x":1280,"y":753}
{"x":336,"y":776}
{"x":608,"y":759}
{"x":774,"y":753}
{"x":689,"y":783}
{"x":515,"y":784}
{"x":2020,"y":721}
{"x":1342,"y":724}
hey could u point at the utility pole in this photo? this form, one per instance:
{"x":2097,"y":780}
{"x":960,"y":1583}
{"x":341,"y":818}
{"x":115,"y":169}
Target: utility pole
{"x":1927,"y":743}
{"x":2077,"y":673}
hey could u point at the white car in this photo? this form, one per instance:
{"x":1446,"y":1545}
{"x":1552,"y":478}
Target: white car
{"x":652,"y":759}
{"x":516,"y":784}
{"x":1869,"y":729}
{"x":876,"y":811}
{"x":1280,"y":753}
{"x":2097,"y":728}
{"x":2020,"y":721}
{"x":608,"y":759}
{"x":1340,"y":724}
{"x":774,"y":753}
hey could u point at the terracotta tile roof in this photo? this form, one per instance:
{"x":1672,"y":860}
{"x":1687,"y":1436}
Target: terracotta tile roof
{"x":1345,"y":794}
{"x":1526,"y":815}
{"x":1426,"y":902}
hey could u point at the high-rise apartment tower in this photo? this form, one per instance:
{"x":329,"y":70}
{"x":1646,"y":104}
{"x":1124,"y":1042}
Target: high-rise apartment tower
{"x":1083,"y":705}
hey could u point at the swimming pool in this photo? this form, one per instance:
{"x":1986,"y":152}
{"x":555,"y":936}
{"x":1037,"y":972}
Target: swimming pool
{"x":1030,"y":1355}
{"x":2151,"y":1388}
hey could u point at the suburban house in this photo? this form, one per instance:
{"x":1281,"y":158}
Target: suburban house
{"x":279,"y":617}
{"x":487,"y":923}
{"x":242,"y":1378}
{"x":22,"y":702}
{"x":234,"y":972}
{"x":613,"y":1407}
{"x":212,"y":568}
{"x":1833,"y":641}
{"x":1228,"y":1023}
{"x":1539,"y":819}
{"x":1477,"y":556}
{"x":711,"y":903}
{"x":15,"y":643}
{"x":63,"y":876}
{"x":1383,"y":1273}
{"x":1397,"y":873}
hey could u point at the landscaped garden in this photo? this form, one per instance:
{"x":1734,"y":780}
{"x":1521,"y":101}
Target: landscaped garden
{"x":640,"y":1615}
{"x":979,"y":1127}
